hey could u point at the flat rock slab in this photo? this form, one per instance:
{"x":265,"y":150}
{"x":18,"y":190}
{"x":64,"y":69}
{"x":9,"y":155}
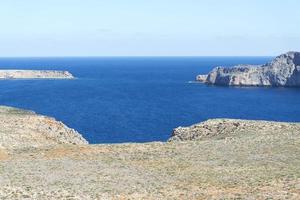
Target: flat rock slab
{"x":35,"y":74}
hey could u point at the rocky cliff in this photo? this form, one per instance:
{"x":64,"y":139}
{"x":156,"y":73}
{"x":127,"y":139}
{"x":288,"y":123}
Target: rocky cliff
{"x":284,"y":70}
{"x":24,"y":129}
{"x":216,"y":159}
{"x":35,"y":74}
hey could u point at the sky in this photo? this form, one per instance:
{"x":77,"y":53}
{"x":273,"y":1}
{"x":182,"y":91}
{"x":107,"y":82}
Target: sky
{"x":148,"y":28}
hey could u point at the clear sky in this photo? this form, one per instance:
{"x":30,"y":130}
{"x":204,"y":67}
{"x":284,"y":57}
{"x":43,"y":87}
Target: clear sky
{"x":148,"y":27}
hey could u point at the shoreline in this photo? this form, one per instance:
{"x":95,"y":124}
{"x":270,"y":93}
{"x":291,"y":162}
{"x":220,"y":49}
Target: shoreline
{"x":209,"y":124}
{"x":42,"y":158}
{"x":282,"y":71}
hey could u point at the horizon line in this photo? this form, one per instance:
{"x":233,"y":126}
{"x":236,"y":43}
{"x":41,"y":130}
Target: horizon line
{"x":137,"y":56}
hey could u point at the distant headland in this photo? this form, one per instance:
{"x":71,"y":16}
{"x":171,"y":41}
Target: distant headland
{"x":35,"y":74}
{"x":283,"y":71}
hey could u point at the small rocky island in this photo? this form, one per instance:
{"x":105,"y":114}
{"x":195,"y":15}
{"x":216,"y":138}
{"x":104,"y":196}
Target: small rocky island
{"x":35,"y":74}
{"x":283,"y":71}
{"x":41,"y":158}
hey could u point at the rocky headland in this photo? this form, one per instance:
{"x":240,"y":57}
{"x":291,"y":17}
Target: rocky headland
{"x":41,"y":158}
{"x":35,"y":74}
{"x":22,"y":129}
{"x":283,"y":71}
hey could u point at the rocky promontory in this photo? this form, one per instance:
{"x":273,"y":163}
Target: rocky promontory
{"x":283,"y":71}
{"x":24,"y":129}
{"x":35,"y":74}
{"x":41,"y":158}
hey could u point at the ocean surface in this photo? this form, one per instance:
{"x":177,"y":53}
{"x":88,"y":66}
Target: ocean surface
{"x":127,"y":99}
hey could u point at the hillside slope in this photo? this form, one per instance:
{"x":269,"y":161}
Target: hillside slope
{"x":241,"y":164}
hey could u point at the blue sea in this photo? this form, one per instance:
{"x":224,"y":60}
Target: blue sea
{"x":141,"y":99}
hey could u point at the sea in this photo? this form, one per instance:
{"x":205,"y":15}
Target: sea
{"x":141,"y":99}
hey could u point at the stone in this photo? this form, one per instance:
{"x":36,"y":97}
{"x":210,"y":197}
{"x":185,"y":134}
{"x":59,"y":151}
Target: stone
{"x":35,"y":74}
{"x":228,"y":128}
{"x":283,"y":71}
{"x":25,"y":129}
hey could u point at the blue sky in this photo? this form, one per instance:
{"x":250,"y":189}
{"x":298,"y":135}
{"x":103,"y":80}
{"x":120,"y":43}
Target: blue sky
{"x":148,"y":28}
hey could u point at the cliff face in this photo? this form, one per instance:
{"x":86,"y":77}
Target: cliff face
{"x":284,"y":70}
{"x":24,"y":129}
{"x":35,"y":74}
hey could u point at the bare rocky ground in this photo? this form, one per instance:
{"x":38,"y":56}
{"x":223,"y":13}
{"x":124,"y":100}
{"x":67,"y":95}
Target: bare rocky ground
{"x":247,"y":162}
{"x":21,"y":129}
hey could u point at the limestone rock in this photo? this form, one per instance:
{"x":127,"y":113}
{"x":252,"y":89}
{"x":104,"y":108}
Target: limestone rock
{"x":22,"y":129}
{"x":283,"y":71}
{"x":222,"y":128}
{"x":35,"y":74}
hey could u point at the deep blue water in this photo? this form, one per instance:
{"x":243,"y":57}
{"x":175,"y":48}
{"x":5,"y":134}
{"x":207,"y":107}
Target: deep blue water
{"x":141,"y":99}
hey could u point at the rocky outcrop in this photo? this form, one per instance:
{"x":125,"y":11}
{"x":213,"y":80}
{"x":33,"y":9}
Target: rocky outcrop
{"x":23,"y":129}
{"x":283,"y":71}
{"x":227,"y":128}
{"x":218,"y":157}
{"x":246,"y":164}
{"x":35,"y":74}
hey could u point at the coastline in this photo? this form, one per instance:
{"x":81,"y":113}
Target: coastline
{"x":282,"y":71}
{"x":221,"y":158}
